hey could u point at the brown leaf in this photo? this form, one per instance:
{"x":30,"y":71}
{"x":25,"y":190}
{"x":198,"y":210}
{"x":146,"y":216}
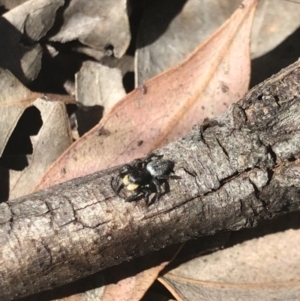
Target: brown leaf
{"x":9,"y":4}
{"x":99,"y":85}
{"x":51,"y":140}
{"x":273,"y":24}
{"x":98,"y":89}
{"x":96,"y":24}
{"x":193,"y":23}
{"x":169,"y":42}
{"x":20,"y":28}
{"x":259,"y":269}
{"x":167,"y":106}
{"x":14,"y":99}
{"x":134,"y":287}
{"x":275,"y":33}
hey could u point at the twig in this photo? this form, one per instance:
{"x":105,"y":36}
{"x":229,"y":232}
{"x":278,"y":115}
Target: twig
{"x":233,"y":172}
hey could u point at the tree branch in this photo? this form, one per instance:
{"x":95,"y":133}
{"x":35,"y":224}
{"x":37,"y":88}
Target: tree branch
{"x":235,"y":171}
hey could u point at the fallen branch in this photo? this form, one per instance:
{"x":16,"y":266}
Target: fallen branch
{"x":232,"y":173}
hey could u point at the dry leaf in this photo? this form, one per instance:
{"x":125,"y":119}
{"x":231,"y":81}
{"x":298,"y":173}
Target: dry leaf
{"x":259,"y":269}
{"x":98,"y":88}
{"x":170,"y":41}
{"x":14,"y":99}
{"x":9,"y":4}
{"x":134,"y":287}
{"x":51,"y":140}
{"x":99,"y":85}
{"x":272,"y":24}
{"x":20,"y":28}
{"x":168,"y":105}
{"x":82,"y":26}
{"x":96,"y":24}
{"x":273,"y":38}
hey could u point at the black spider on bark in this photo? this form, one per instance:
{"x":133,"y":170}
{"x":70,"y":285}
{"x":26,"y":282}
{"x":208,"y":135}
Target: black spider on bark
{"x":143,"y":177}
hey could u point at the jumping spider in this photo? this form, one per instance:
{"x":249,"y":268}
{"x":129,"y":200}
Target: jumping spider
{"x":143,"y":177}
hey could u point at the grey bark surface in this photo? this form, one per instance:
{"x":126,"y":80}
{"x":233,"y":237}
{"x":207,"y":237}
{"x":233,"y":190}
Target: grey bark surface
{"x":235,"y":171}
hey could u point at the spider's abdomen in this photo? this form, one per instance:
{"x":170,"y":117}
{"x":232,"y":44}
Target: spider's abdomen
{"x":160,"y":168}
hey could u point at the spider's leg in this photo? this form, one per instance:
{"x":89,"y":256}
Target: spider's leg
{"x":168,"y":177}
{"x":165,"y":177}
{"x":133,"y":197}
{"x":147,"y":194}
{"x":158,"y":190}
{"x":116,"y":184}
{"x":112,"y":184}
{"x":119,"y":187}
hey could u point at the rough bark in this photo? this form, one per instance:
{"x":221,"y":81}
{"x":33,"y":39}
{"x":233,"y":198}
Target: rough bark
{"x":235,"y":171}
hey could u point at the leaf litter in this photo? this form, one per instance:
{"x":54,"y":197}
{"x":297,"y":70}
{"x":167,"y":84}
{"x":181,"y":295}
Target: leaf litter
{"x":173,"y":103}
{"x":42,"y":122}
{"x":158,"y":111}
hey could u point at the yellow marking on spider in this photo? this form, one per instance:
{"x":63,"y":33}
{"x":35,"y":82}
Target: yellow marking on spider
{"x":126,"y":180}
{"x":132,"y":187}
{"x":129,"y":186}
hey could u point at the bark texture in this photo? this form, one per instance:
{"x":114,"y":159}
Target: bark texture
{"x":235,"y":171}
